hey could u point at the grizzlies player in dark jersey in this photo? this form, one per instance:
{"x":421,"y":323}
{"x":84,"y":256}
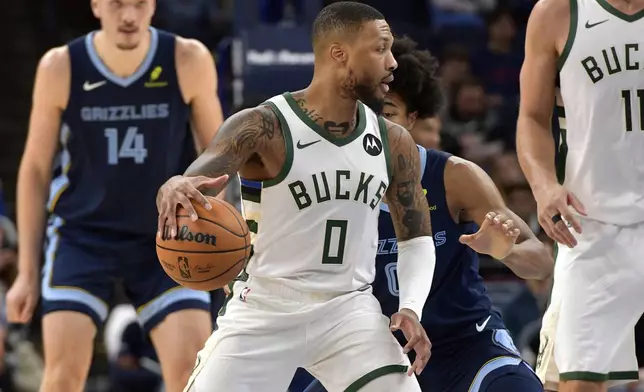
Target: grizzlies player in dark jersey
{"x":471,"y":350}
{"x":115,"y":105}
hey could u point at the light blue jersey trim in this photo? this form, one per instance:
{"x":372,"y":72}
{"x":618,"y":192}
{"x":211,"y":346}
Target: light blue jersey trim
{"x":65,"y":293}
{"x":423,"y":164}
{"x":170,"y":297}
{"x":109,"y":75}
{"x":489,"y":367}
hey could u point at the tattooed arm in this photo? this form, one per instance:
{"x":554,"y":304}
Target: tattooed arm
{"x":242,"y":135}
{"x":249,"y":132}
{"x":410,"y":214}
{"x":405,"y":198}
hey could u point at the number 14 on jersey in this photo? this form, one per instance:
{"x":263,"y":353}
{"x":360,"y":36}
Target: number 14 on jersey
{"x":132,"y":146}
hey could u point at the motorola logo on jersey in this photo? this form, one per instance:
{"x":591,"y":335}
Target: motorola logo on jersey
{"x":185,"y":234}
{"x":125,"y":113}
{"x":372,"y":145}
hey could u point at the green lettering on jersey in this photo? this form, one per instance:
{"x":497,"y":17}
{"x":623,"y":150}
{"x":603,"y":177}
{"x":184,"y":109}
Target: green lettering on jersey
{"x":631,"y":66}
{"x":338,"y":184}
{"x":348,"y":186}
{"x":363,"y":185}
{"x":592,"y":69}
{"x":379,"y":194}
{"x":325,"y":184}
{"x":612,"y":61}
{"x":298,"y":190}
{"x":612,"y":68}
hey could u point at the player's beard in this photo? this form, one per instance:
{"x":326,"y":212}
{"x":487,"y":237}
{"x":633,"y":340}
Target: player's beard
{"x":367,"y":94}
{"x":364,"y":92}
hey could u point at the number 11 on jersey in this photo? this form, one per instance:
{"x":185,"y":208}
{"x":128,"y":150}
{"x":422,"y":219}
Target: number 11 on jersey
{"x":132,"y":146}
{"x":627,"y":99}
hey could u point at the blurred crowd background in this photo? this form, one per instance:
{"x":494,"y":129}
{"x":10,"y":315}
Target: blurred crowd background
{"x":262,"y":48}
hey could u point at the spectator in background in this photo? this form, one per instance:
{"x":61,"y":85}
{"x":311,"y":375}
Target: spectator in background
{"x":455,"y":67}
{"x":465,"y":6}
{"x":519,"y":198}
{"x":275,"y":11}
{"x":3,"y":209}
{"x":471,"y":123}
{"x":8,"y":254}
{"x":498,"y":65}
{"x":197,"y":19}
{"x":427,"y":132}
{"x":509,"y":178}
{"x":8,"y":258}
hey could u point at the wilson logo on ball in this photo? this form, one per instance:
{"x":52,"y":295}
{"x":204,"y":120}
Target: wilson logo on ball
{"x":185,"y":234}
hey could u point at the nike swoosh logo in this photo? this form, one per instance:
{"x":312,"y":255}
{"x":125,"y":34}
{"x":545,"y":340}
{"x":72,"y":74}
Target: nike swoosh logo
{"x":87,"y":86}
{"x":301,"y":146}
{"x":481,"y":327}
{"x":590,"y":25}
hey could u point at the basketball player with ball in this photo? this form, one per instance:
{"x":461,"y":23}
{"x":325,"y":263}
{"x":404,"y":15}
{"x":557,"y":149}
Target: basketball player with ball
{"x":325,"y":161}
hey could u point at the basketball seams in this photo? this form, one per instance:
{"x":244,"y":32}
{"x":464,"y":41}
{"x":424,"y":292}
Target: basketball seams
{"x":234,"y":212}
{"x":203,"y":251}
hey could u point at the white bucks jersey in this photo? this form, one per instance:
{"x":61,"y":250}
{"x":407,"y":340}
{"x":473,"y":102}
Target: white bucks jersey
{"x":316,"y":223}
{"x":602,"y":87}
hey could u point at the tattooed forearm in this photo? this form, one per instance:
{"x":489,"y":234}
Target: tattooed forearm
{"x":405,"y":197}
{"x":242,"y":135}
{"x":405,"y":193}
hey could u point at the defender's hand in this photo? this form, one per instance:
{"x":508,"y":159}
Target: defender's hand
{"x":417,"y":340}
{"x":496,"y":237}
{"x":554,"y":213}
{"x":179,"y":190}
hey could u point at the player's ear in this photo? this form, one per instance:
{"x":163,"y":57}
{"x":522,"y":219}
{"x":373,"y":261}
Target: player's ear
{"x":338,"y":54}
{"x":411,"y":119}
{"x":95,"y":11}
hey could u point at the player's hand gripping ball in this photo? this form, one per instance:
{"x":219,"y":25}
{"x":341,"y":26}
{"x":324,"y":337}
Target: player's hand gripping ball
{"x":209,"y":247}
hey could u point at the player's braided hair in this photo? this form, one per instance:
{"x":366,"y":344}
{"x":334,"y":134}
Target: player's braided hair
{"x":415,"y":79}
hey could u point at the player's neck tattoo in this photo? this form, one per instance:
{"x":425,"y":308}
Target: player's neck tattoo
{"x":336,"y":129}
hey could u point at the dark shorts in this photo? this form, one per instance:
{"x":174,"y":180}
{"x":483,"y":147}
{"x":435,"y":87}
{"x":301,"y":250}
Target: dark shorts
{"x":486,"y":362}
{"x":80,"y":273}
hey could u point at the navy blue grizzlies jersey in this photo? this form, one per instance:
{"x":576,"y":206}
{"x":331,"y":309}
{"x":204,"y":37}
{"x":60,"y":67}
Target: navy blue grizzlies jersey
{"x":458,"y":304}
{"x":121,"y":139}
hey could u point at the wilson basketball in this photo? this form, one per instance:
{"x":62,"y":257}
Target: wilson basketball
{"x":208,"y":253}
